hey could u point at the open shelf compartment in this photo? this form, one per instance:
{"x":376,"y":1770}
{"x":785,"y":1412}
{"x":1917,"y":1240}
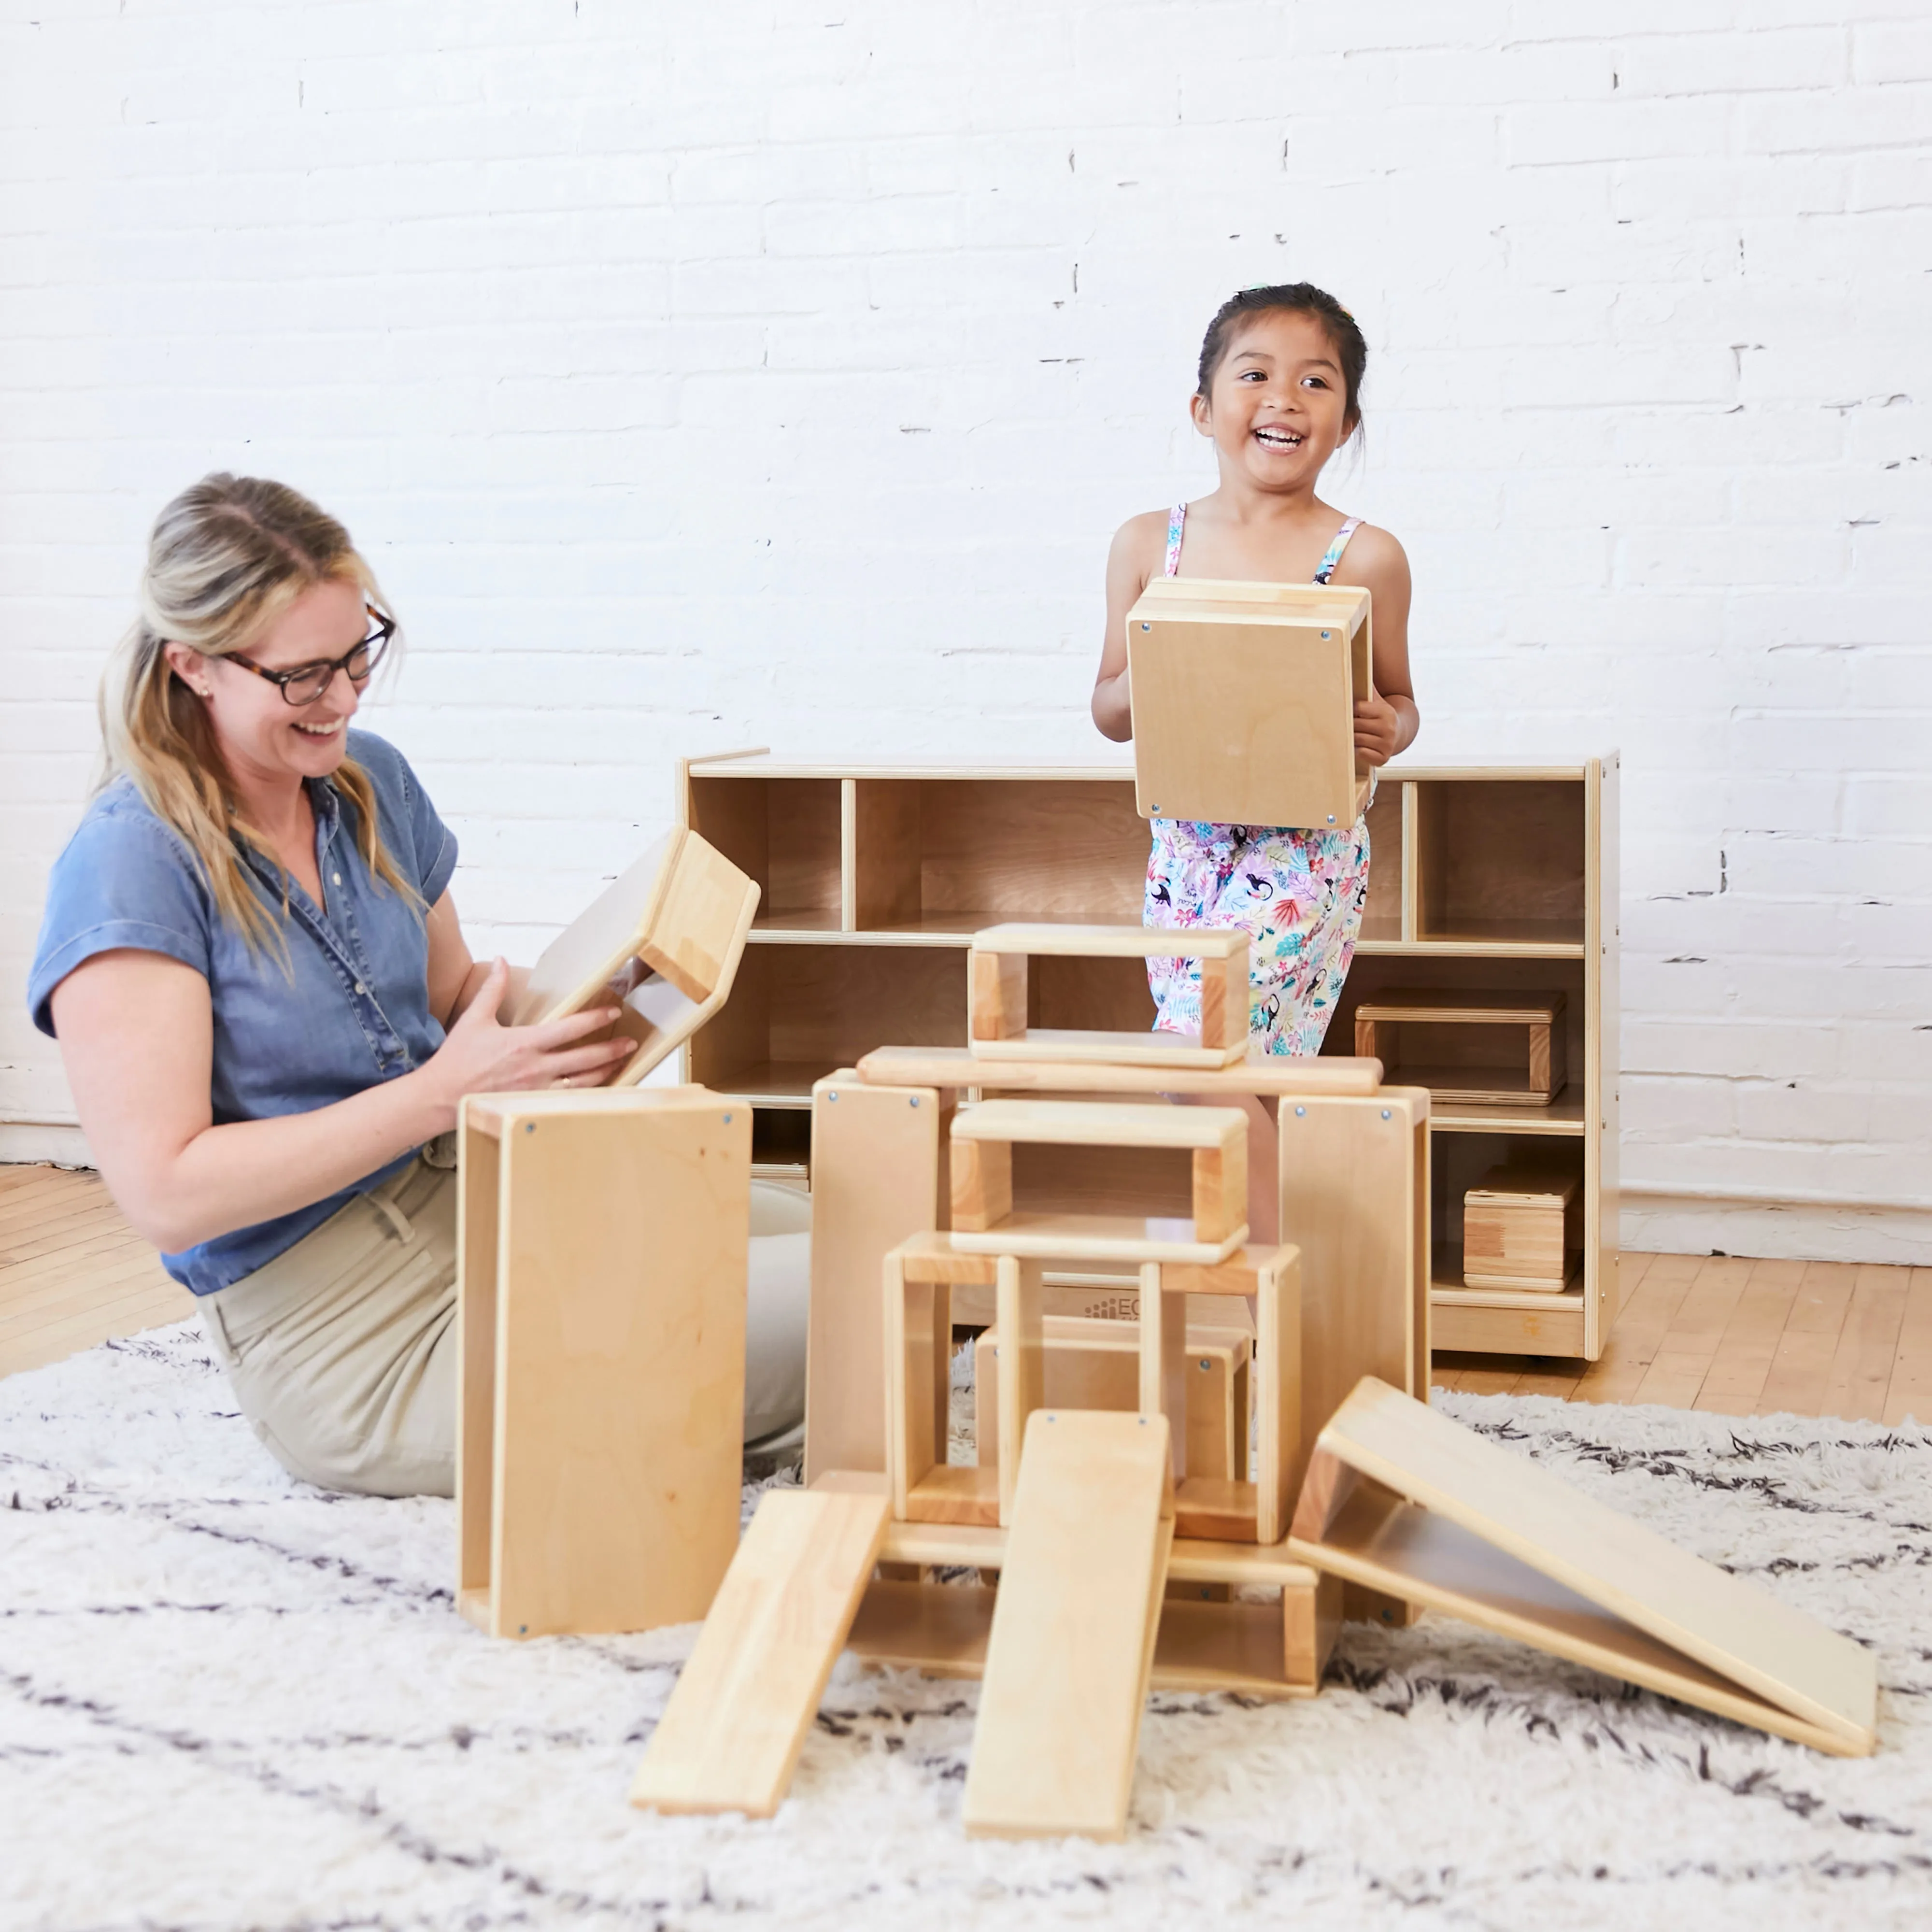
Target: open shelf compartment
{"x":1500,"y":862}
{"x":938,"y":859}
{"x":787,"y":833}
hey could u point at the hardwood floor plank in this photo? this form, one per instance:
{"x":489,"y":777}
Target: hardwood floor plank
{"x":137,"y":1273}
{"x":61,"y":1339}
{"x":1802,"y":1365}
{"x":1634,"y":1342}
{"x":1745,"y":1349}
{"x":1861,"y":1363}
{"x":70,"y":1264}
{"x":68,"y":1231}
{"x":1909,"y":1394}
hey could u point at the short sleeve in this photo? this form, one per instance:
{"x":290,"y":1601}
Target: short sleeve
{"x":420,"y":843}
{"x":124,"y":881}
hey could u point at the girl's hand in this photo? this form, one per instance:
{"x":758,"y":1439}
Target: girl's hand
{"x":480,"y":1055}
{"x":1378,"y":729}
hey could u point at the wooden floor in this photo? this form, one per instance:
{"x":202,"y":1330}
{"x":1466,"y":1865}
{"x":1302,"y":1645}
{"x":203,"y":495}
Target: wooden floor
{"x":72,"y":1272}
{"x":1738,"y":1337}
{"x":1735,"y":1337}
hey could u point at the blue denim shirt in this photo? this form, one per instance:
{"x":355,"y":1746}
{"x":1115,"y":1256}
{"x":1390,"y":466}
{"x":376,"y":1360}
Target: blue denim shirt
{"x":351,"y":1009}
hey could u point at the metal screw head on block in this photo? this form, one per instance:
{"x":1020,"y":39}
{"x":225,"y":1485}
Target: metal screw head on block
{"x":1331,"y":818}
{"x":1385,"y":1113}
{"x":1300,"y":1110}
{"x":833,"y":1095}
{"x":1205,"y":1366}
{"x":529,"y":1127}
{"x":1326,"y":635}
{"x":727,"y":1119}
{"x":914,"y":1099}
{"x":1147,"y":627}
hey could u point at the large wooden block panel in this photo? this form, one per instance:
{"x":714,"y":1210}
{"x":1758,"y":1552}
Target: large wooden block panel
{"x":1243,"y":701}
{"x":601,"y":1355}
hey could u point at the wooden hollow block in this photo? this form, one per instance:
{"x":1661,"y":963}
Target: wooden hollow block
{"x":1464,"y":1046}
{"x":1280,"y":1454}
{"x":1269,"y":1074}
{"x":1403,"y":1499}
{"x":1163,"y":1364}
{"x":1522,"y":1225}
{"x":956,"y":1493}
{"x":997,"y":994}
{"x":878,"y":1179}
{"x":979,"y":1190}
{"x":932,"y":1257}
{"x":1072,"y":1641}
{"x":983,"y":1184}
{"x":685,"y":911}
{"x":1021,"y":1368}
{"x":730,"y":1734}
{"x":601,"y":1352}
{"x":997,"y":984}
{"x":918,"y":1351}
{"x":1243,"y":702}
{"x":1088,"y":1363}
{"x":1216,"y":1508}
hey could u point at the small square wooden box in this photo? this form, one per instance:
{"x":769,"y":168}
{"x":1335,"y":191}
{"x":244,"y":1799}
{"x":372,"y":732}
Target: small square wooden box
{"x":1520,"y":1227}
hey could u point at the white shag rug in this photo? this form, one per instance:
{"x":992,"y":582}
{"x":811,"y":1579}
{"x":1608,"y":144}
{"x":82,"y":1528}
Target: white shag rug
{"x":228,"y":1701}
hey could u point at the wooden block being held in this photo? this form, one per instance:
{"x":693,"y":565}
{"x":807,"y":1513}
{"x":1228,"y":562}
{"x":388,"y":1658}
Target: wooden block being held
{"x":1243,"y":701}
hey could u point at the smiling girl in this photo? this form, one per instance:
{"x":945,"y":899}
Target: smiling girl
{"x":1278,"y":392}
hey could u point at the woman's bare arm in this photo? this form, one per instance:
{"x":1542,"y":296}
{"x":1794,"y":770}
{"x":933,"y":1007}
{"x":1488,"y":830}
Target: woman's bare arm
{"x":136,"y":1032}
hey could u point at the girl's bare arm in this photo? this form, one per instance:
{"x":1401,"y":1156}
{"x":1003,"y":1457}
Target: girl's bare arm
{"x":1129,"y":567}
{"x":1387,"y":723}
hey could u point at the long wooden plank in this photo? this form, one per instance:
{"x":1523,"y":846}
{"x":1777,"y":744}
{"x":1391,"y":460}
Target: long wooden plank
{"x":1098,"y":1237}
{"x":1909,"y":1395}
{"x":1737,"y":1373}
{"x":1260,"y":1073}
{"x":1731,"y":1627}
{"x":1073,"y":1630}
{"x":730,"y":1735}
{"x":1801,"y":1367}
{"x":1112,"y":942}
{"x":1862,"y":1363}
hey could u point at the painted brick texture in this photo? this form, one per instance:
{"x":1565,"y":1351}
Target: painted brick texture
{"x":776,"y":373}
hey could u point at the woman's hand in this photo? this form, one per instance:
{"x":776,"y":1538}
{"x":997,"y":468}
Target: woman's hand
{"x":480,"y":1055}
{"x":1378,"y":729}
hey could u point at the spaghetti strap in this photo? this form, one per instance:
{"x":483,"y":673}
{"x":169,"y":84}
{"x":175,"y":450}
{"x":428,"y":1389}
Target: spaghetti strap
{"x":1331,"y":556}
{"x":1176,"y":521}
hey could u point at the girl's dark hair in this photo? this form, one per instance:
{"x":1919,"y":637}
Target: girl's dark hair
{"x":1294,"y":299}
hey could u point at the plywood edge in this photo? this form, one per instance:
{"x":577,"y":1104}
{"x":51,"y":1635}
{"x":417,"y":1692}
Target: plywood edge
{"x":1330,"y":1076}
{"x":1102,"y":942}
{"x":1095,"y":1123}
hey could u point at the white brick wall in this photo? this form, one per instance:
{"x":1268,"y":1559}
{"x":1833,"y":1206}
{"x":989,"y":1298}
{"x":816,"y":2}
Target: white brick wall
{"x":775,"y":374}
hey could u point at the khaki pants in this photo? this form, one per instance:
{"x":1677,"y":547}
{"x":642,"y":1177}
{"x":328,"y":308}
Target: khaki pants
{"x":342,"y":1351}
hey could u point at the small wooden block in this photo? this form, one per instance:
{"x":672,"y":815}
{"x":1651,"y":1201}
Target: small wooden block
{"x":956,"y":1492}
{"x":1226,"y":1001}
{"x":730,"y":1735}
{"x":1279,"y":1450}
{"x":932,"y":1257}
{"x":918,"y":1351}
{"x":1521,"y":1224}
{"x":1490,"y":1537}
{"x":1072,"y":1637}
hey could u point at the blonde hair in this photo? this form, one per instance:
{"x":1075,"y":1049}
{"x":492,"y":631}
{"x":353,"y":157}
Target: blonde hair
{"x":226,"y":558}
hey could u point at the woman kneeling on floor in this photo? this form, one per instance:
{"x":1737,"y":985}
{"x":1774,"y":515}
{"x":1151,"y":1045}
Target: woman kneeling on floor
{"x":267,"y":1013}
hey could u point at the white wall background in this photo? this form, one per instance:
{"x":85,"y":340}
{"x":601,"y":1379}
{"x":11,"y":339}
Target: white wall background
{"x":776,"y":373}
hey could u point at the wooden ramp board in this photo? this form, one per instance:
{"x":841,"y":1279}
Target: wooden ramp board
{"x":1073,"y":1628}
{"x":730,"y":1737}
{"x":1511,"y":1548}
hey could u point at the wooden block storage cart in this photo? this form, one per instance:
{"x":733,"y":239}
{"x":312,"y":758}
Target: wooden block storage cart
{"x":875,"y":879}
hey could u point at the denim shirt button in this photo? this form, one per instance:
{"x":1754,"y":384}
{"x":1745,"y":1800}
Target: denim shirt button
{"x":359,"y":986}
